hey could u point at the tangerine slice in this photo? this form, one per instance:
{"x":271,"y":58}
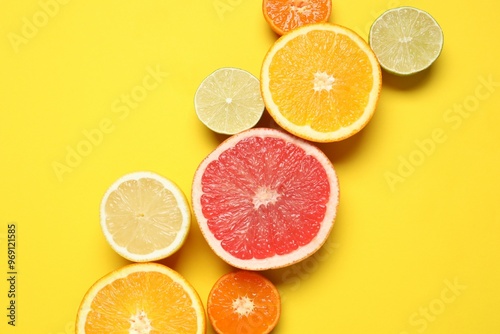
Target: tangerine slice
{"x":243,"y":302}
{"x":286,"y":15}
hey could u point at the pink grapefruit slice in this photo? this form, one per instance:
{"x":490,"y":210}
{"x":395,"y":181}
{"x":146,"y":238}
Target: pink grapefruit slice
{"x":264,"y":199}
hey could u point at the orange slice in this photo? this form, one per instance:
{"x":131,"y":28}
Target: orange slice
{"x":141,"y":298}
{"x":321,"y":82}
{"x":243,"y":302}
{"x":286,"y":15}
{"x":145,"y":217}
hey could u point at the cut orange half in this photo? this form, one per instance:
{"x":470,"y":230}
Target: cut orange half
{"x":141,"y":298}
{"x":321,"y":82}
{"x":145,"y":217}
{"x":286,"y":15}
{"x":243,"y":302}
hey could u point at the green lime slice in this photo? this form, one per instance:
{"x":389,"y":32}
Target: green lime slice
{"x":228,"y":101}
{"x":406,"y":40}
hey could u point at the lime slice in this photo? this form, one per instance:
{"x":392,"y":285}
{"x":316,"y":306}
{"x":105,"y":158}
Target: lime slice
{"x":229,"y":101}
{"x":406,"y":40}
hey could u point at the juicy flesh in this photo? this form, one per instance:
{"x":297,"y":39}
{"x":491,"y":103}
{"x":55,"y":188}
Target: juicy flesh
{"x":244,"y":303}
{"x":264,"y":197}
{"x":321,"y":79}
{"x":140,"y":323}
{"x":142,"y":303}
{"x":290,"y":14}
{"x":143,"y":216}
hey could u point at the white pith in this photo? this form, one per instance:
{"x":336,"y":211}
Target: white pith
{"x":265,"y":196}
{"x":140,"y":323}
{"x":243,"y":306}
{"x":323,"y":81}
{"x":300,"y":7}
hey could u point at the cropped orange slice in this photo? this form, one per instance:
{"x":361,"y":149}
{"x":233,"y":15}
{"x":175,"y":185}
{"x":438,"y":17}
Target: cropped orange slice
{"x":286,"y":15}
{"x":321,"y":82}
{"x":141,"y":298}
{"x":243,"y":302}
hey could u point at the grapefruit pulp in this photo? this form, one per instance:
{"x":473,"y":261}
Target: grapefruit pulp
{"x":265,"y":199}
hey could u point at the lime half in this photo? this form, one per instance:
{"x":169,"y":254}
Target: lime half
{"x":406,"y":40}
{"x":229,"y":101}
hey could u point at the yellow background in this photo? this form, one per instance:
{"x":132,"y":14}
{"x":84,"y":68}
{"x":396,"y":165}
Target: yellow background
{"x":420,"y":198}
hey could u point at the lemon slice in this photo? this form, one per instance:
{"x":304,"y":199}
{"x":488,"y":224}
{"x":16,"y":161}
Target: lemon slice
{"x":145,"y":217}
{"x":406,"y":40}
{"x":229,"y":101}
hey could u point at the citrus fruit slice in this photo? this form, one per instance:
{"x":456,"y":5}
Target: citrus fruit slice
{"x":243,"y":302}
{"x":145,"y":217}
{"x":286,"y":15}
{"x":321,"y":82}
{"x":264,"y":199}
{"x":406,"y":40}
{"x":228,"y":101}
{"x":141,"y":298}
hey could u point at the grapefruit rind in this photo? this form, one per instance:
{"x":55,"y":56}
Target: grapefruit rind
{"x":306,"y":131}
{"x":181,"y":234}
{"x":276,"y":261}
{"x":86,"y":303}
